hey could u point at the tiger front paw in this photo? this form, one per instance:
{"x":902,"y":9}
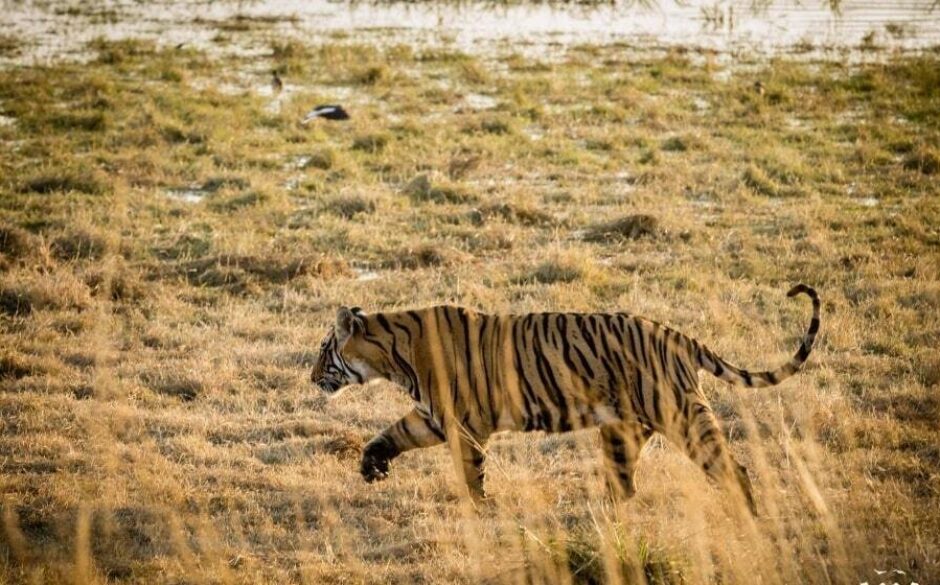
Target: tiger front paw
{"x":373,"y":469}
{"x":375,"y":459}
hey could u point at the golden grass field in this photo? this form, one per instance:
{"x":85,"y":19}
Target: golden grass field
{"x":174,"y":244}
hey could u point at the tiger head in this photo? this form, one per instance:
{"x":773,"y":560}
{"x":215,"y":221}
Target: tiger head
{"x":344,"y":357}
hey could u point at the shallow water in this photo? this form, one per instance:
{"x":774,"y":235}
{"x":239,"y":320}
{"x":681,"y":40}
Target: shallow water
{"x":51,"y":29}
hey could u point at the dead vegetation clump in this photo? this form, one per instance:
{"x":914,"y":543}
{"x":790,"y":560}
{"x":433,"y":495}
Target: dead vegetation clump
{"x":630,"y":227}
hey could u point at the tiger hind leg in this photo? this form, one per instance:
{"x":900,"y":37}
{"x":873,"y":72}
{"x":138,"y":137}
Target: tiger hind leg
{"x":470,"y":466}
{"x":705,"y":445}
{"x":622,"y":443}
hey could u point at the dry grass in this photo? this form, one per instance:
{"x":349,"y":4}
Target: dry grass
{"x":158,"y":425}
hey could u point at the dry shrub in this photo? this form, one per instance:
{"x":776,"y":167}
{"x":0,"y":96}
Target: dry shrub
{"x":630,"y":227}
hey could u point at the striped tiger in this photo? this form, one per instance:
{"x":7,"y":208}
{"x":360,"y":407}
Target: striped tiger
{"x":471,"y":374}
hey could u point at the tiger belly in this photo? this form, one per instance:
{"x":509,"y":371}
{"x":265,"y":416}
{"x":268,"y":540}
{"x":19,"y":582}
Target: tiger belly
{"x":586,"y":416}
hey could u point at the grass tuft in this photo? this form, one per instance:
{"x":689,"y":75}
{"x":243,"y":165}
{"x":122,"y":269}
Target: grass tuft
{"x":560,"y":270}
{"x":16,"y":366}
{"x":371,"y":143}
{"x":67,"y":182}
{"x":80,"y":244}
{"x":226,"y":270}
{"x":15,"y":242}
{"x":924,"y":159}
{"x":512,"y":213}
{"x":630,"y":227}
{"x":349,"y":206}
{"x":421,"y":190}
{"x":9,"y":46}
{"x":15,"y":301}
{"x":182,"y":388}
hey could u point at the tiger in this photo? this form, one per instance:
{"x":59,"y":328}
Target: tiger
{"x":472,"y":374}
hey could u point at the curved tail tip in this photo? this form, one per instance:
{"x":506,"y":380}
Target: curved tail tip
{"x":801,"y":288}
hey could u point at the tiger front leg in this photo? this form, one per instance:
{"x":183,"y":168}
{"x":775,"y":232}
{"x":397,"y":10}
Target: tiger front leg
{"x":622,"y":444}
{"x":412,"y":431}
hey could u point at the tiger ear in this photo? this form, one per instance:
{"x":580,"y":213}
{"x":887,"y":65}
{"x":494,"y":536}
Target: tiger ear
{"x":348,"y":323}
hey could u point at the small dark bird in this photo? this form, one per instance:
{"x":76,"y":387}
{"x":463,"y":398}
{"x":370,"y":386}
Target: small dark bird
{"x":276,"y":84}
{"x":330,"y":112}
{"x":759,"y":88}
{"x":180,"y":46}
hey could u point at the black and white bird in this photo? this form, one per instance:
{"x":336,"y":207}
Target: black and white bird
{"x":276,"y":84}
{"x":330,"y":112}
